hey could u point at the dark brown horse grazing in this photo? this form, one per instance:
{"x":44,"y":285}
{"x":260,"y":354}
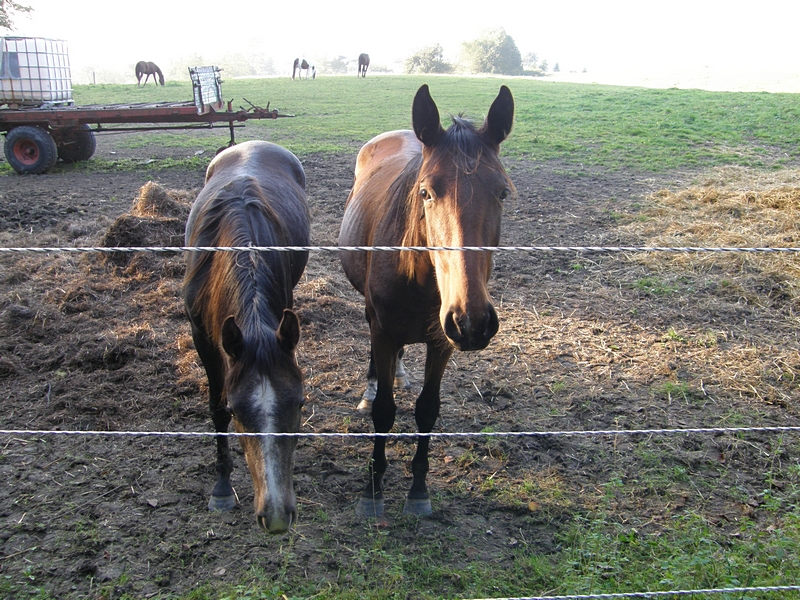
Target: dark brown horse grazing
{"x":299,"y":66}
{"x":239,"y":305}
{"x":429,"y":187}
{"x":147,"y":69}
{"x":363,"y":64}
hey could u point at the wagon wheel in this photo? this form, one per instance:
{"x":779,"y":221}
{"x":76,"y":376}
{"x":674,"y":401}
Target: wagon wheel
{"x":75,"y":143}
{"x":30,"y":150}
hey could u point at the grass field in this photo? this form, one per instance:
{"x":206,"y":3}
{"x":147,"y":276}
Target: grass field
{"x":648,"y":129}
{"x":634,"y":129}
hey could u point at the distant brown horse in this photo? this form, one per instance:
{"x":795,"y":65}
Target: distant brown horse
{"x":298,"y":66}
{"x":148,"y":68}
{"x":239,"y":305}
{"x":363,"y":64}
{"x":427,"y":187}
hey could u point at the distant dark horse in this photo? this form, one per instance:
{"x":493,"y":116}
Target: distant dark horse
{"x":239,"y":305}
{"x":429,"y":187}
{"x":363,"y":64}
{"x":299,"y":66}
{"x":148,"y":68}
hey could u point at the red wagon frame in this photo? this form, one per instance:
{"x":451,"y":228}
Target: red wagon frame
{"x":37,"y":137}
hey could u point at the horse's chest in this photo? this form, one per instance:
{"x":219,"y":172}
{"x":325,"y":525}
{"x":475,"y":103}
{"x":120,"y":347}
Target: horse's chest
{"x":406,"y":310}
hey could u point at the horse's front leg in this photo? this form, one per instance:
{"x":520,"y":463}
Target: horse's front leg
{"x":222,"y":496}
{"x":426,"y":412}
{"x":400,"y":381}
{"x":383,"y":415}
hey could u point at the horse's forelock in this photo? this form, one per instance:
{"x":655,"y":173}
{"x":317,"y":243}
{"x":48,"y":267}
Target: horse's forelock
{"x":463,"y":144}
{"x":262,"y":352}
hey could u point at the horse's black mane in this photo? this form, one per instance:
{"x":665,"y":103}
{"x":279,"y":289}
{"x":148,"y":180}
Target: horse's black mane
{"x":254,"y":286}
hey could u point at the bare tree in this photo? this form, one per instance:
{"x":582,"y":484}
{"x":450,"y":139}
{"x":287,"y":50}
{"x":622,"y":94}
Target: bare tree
{"x":7,"y":8}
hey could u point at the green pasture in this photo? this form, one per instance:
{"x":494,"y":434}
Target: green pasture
{"x":606,"y":126}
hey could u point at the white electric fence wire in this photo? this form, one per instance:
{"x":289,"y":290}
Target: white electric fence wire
{"x":602,"y":249}
{"x":442,"y":434}
{"x":666,"y":594}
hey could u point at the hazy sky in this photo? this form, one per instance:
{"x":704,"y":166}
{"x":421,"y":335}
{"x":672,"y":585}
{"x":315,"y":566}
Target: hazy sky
{"x":575,"y":33}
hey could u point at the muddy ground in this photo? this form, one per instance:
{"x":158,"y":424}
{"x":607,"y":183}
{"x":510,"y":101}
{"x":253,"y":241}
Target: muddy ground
{"x":88,"y":343}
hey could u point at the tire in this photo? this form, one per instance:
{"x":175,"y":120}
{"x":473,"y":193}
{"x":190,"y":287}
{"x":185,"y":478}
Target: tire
{"x":75,"y":143}
{"x":30,"y":150}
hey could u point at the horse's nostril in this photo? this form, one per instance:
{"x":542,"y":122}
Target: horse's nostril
{"x":262,"y":522}
{"x":492,"y":323}
{"x":452,"y":328}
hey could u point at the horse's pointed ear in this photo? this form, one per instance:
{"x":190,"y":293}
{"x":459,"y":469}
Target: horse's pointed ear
{"x":425,"y":117}
{"x":500,"y":118}
{"x":232,"y":338}
{"x":289,"y":331}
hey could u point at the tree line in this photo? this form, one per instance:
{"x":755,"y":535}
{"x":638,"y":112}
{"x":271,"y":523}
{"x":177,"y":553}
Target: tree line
{"x":494,"y":52}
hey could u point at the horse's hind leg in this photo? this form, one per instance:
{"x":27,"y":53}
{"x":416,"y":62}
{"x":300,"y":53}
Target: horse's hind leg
{"x":400,"y":381}
{"x":223,"y":497}
{"x":426,"y":412}
{"x":400,"y":376}
{"x":383,"y":415}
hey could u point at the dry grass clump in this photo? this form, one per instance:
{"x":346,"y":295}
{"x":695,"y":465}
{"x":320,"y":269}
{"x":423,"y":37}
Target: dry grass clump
{"x":155,"y":201}
{"x":157,"y":218}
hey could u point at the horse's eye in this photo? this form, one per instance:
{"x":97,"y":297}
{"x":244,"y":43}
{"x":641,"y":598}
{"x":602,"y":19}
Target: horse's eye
{"x":423,"y":193}
{"x":504,"y":194}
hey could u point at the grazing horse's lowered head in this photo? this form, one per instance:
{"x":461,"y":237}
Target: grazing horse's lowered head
{"x":239,"y":306}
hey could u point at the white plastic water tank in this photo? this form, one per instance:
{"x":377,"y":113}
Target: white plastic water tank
{"x":34,"y":72}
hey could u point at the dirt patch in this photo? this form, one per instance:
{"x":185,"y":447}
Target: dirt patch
{"x":587,"y":342}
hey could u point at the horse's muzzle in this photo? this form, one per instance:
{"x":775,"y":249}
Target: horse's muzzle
{"x":471,"y":334}
{"x":277,"y":523}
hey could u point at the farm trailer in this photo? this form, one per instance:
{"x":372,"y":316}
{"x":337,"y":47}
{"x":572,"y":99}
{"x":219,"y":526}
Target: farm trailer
{"x":41,"y":124}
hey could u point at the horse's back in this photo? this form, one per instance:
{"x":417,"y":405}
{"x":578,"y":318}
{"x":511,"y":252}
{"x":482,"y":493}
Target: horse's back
{"x":274,"y":171}
{"x":270,"y":162}
{"x":380,"y":163}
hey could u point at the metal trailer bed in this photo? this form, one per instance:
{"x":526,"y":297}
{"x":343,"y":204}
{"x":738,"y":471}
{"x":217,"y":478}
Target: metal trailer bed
{"x":37,"y":137}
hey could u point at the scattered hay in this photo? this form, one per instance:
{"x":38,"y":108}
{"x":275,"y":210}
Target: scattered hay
{"x":740,"y":212}
{"x":734,"y":315}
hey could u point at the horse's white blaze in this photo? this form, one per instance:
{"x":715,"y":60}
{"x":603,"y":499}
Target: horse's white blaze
{"x":266,"y":401}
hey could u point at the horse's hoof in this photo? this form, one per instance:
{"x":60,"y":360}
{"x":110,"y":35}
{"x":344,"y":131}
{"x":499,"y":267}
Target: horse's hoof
{"x":365,"y":406}
{"x":222,"y":503}
{"x":420,"y":507}
{"x":369,"y":508}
